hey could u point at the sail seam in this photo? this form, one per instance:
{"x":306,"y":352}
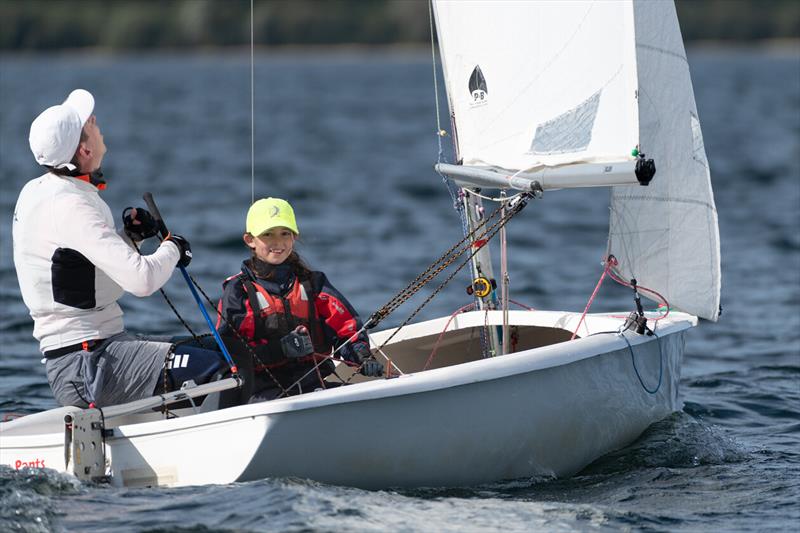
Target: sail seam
{"x":662,"y":51}
{"x":641,"y":231}
{"x":668,"y":199}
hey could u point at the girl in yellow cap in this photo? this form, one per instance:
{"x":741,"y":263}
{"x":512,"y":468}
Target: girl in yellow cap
{"x":285,"y":312}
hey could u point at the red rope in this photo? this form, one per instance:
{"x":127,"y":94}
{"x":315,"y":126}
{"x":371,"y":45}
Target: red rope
{"x":464,"y":309}
{"x":436,"y":346}
{"x":610,"y":261}
{"x":529,"y":308}
{"x":660,"y":298}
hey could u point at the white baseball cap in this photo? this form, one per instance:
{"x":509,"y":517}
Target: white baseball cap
{"x":56,"y":132}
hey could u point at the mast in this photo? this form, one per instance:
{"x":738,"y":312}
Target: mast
{"x":481,"y":282}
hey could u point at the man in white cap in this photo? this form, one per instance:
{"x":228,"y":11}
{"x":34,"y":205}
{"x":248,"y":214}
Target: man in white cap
{"x":73,"y":266}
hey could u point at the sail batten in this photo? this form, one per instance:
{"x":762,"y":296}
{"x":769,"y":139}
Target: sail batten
{"x":551,"y":88}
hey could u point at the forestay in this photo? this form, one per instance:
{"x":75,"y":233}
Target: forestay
{"x":570,"y":87}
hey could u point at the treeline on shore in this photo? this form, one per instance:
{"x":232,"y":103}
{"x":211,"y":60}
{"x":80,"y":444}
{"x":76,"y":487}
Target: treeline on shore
{"x":30,"y":25}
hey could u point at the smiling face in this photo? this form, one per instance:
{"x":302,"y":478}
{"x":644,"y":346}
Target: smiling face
{"x":273,"y":246}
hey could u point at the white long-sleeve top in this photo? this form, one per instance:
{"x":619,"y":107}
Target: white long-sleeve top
{"x":73,"y":266}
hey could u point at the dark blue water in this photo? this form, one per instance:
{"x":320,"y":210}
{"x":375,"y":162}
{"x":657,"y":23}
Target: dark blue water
{"x":349,"y":140}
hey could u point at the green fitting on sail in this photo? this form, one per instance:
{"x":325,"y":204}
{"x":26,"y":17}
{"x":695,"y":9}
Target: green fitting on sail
{"x":635,"y":152}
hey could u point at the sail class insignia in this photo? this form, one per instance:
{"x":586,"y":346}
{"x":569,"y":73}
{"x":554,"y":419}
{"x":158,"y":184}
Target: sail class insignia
{"x":477,"y":87}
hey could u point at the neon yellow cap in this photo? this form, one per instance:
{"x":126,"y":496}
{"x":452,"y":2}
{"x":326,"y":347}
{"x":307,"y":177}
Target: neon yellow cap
{"x":269,"y":213}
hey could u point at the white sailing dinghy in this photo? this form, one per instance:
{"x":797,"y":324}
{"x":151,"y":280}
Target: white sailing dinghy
{"x":543,"y":95}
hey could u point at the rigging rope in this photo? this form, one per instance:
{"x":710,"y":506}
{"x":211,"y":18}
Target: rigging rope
{"x":439,"y":131}
{"x":407,"y":292}
{"x":455,"y":192}
{"x":198,"y":337}
{"x":445,"y":260}
{"x":238,"y":335}
{"x":658,"y":296}
{"x":660,"y":364}
{"x":488,"y":234}
{"x":498,"y":199}
{"x":412,"y":288}
{"x":252,"y":200}
{"x":319,"y":358}
{"x":461,"y":203}
{"x":611,"y":262}
{"x":464,"y":309}
{"x":169,"y":302}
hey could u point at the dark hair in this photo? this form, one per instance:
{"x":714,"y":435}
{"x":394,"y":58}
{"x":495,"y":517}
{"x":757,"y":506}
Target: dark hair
{"x":299,"y":267}
{"x":63,"y":171}
{"x":83,"y":139}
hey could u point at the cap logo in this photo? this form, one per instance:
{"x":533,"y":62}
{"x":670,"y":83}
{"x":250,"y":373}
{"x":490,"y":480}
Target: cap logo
{"x":274,"y":211}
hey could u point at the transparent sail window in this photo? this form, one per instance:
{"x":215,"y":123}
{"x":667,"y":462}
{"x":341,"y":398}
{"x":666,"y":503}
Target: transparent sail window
{"x":569,"y":132}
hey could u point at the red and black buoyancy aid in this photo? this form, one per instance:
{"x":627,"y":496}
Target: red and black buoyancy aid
{"x":274,"y":316}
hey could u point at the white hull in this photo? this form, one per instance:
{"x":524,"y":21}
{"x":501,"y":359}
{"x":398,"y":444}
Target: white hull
{"x":547,"y":410}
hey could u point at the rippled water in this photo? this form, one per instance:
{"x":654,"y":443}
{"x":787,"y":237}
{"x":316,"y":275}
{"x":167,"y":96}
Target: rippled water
{"x":348,"y":138}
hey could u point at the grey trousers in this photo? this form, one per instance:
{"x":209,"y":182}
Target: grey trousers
{"x":124,"y":368}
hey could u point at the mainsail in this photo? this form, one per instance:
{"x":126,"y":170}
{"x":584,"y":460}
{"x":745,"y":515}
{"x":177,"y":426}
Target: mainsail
{"x":577,"y":89}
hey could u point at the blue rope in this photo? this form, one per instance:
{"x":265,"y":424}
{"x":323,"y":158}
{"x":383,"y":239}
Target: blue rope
{"x":214,"y":331}
{"x":660,"y":364}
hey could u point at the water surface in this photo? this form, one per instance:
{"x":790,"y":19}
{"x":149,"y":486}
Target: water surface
{"x":349,"y":140}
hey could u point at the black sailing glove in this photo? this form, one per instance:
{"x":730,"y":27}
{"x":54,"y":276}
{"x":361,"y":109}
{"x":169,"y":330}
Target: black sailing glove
{"x":369,"y":366}
{"x":183,"y":246}
{"x":139,"y":224}
{"x":297,"y":343}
